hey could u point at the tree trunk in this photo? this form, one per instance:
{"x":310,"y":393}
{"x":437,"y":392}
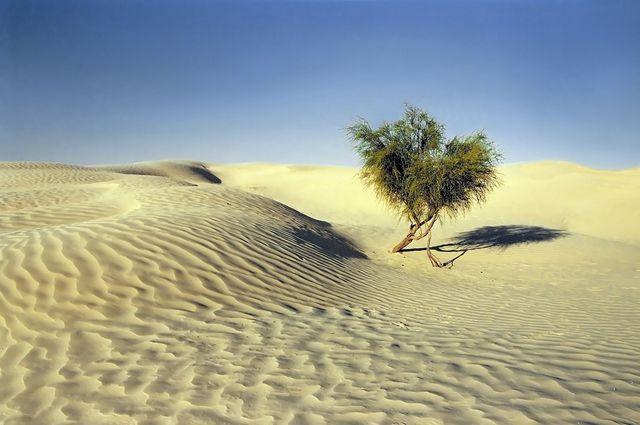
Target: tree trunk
{"x":406,"y":241}
{"x":411,"y":236}
{"x":432,"y":258}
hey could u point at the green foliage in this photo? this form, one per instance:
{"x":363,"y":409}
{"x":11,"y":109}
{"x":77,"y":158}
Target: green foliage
{"x":418,"y":172}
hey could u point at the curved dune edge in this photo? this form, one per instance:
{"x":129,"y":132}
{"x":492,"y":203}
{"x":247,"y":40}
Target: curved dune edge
{"x":167,"y":299}
{"x":189,"y":171}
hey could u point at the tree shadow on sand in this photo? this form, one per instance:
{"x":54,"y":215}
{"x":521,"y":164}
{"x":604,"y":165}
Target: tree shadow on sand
{"x":500,"y":237}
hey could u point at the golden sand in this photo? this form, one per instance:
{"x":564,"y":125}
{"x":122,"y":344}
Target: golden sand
{"x":154,"y":294}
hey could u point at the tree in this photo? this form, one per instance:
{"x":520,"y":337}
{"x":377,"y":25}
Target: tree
{"x":420,"y":174}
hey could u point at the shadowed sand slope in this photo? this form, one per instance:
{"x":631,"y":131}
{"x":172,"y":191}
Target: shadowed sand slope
{"x":152,"y":294}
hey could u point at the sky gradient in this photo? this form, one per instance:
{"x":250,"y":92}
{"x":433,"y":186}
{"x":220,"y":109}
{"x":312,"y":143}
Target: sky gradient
{"x":95,"y":82}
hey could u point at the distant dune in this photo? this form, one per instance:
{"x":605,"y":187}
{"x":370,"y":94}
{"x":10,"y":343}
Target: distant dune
{"x":558,"y":194}
{"x":179,"y":292}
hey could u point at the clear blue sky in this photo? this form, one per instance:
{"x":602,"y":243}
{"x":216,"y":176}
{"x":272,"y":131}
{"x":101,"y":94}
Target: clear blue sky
{"x":108,"y":81}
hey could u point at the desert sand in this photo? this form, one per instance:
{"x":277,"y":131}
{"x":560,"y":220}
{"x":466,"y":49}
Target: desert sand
{"x":178,"y":292}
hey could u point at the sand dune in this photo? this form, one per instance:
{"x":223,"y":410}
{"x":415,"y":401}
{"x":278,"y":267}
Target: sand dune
{"x":191,"y":293}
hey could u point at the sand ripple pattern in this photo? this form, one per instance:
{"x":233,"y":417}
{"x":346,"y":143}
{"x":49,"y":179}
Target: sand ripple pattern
{"x":146,"y":299}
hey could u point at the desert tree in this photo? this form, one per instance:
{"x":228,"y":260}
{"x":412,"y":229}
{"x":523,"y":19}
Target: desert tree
{"x":420,"y":174}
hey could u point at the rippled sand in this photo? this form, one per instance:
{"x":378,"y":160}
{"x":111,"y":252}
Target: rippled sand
{"x":155,"y":294}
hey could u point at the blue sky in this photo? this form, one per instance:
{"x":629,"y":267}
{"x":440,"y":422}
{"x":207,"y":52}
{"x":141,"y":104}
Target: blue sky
{"x":102,"y":81}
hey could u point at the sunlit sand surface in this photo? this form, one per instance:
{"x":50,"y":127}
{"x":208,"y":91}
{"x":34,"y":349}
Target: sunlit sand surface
{"x":189,"y":293}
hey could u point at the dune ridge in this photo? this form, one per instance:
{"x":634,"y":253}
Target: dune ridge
{"x":185,"y":293}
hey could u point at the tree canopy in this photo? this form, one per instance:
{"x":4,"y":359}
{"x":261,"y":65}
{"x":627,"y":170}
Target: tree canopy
{"x":420,"y":173}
